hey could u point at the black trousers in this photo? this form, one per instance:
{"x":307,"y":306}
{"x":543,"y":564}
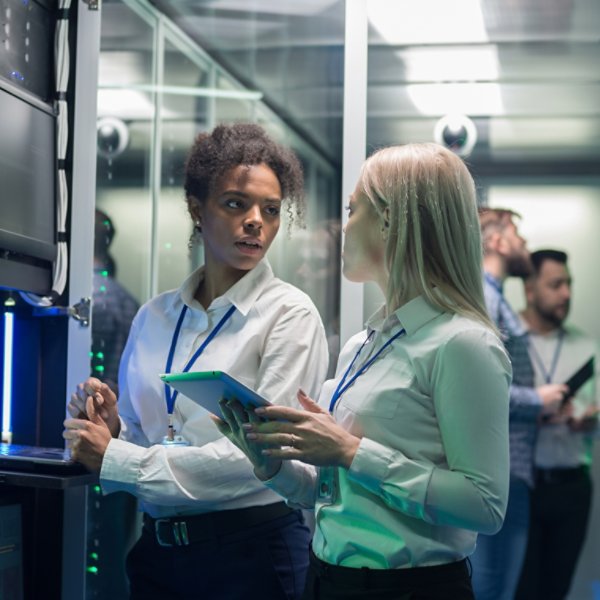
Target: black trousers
{"x":442,"y":582}
{"x":560,"y":507}
{"x":264,"y":561}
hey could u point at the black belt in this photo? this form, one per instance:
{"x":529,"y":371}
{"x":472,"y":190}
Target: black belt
{"x":561,"y":475}
{"x":185,"y":530}
{"x":365,"y":577}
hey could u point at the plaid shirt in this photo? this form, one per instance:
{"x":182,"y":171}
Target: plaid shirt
{"x":525,"y":403}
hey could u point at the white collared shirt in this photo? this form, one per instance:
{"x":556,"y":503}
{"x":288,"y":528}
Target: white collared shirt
{"x":274,"y":343}
{"x":557,"y":445}
{"x":432,"y":467}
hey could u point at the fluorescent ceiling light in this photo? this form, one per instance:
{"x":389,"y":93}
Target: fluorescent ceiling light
{"x":473,"y":99}
{"x":179,"y":90}
{"x":135,"y":101}
{"x":125,"y":104}
{"x":407,"y":22}
{"x":461,"y":63}
{"x":293,"y":7}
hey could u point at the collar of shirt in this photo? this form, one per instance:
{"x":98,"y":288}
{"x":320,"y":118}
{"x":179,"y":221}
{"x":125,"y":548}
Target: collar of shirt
{"x":412,"y":316}
{"x":242,"y":294}
{"x":507,"y":321}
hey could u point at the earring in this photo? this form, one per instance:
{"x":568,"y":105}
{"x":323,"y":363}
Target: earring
{"x":196,"y":237}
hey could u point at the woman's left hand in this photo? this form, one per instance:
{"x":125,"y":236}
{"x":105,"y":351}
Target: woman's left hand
{"x":310,"y":435}
{"x":88,"y":438}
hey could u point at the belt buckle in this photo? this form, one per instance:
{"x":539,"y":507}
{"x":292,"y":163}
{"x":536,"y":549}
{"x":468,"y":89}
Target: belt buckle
{"x":180,"y":533}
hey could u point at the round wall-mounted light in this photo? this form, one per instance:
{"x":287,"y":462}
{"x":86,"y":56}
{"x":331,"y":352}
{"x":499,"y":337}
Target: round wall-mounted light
{"x":112,"y":136}
{"x":457,"y":133}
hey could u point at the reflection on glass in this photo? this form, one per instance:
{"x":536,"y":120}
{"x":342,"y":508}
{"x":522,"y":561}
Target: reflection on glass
{"x":125,"y":129}
{"x":161,"y":101}
{"x":315,"y":269}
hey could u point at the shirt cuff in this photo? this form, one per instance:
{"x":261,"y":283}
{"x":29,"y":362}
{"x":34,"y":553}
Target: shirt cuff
{"x":370,"y":463}
{"x":294,"y":483}
{"x":120,"y":467}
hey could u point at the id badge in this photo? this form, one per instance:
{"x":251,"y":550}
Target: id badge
{"x":176,"y":440}
{"x":172,"y":439}
{"x":327,"y":485}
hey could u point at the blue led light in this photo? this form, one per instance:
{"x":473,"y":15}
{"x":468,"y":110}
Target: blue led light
{"x":17,"y":75}
{"x":7,"y":373}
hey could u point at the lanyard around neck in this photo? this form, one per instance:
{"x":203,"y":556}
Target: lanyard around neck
{"x":494,"y":283}
{"x":548,"y":374}
{"x":170,"y":393}
{"x":342,"y":385}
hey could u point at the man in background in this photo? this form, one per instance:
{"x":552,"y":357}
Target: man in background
{"x":561,"y":499}
{"x":498,"y":559}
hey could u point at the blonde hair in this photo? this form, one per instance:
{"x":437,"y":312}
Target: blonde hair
{"x":425,"y":197}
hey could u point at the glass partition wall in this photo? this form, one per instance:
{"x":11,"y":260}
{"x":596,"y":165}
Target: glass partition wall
{"x":157,"y":89}
{"x":164,"y":89}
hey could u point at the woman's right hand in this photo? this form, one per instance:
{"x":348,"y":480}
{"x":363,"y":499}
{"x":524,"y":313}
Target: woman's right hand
{"x":231,"y":426}
{"x":105,"y":401}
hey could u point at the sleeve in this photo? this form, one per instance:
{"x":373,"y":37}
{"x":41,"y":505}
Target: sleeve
{"x":296,"y":482}
{"x":525,"y":403}
{"x":294,"y":355}
{"x":470,"y":388}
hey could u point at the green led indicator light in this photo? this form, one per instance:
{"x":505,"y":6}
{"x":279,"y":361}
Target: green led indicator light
{"x":102,"y":288}
{"x":104,"y":273}
{"x":100,"y":354}
{"x":97,"y":489}
{"x":99,"y":368}
{"x":93,"y":570}
{"x":91,"y":355}
{"x":94,"y":556}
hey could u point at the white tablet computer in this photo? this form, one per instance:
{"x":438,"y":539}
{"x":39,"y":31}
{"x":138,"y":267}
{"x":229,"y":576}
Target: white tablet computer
{"x":208,"y":387}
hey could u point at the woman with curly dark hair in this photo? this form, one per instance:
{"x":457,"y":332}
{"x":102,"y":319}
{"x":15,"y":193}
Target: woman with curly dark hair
{"x":205,"y":514}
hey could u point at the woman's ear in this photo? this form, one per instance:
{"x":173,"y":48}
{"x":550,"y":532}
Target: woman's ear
{"x":494,"y":243}
{"x":386,"y":221}
{"x":195,"y":211}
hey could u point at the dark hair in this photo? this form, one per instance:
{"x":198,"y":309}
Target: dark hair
{"x":228,"y":146}
{"x":104,"y":232}
{"x":539,"y":256}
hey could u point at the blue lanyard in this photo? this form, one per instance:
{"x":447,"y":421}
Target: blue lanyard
{"x":492,"y":281}
{"x":548,"y":375}
{"x":342,"y":385}
{"x":170,"y":393}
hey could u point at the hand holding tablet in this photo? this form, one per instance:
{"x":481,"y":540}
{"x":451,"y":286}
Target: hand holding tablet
{"x":207,"y":388}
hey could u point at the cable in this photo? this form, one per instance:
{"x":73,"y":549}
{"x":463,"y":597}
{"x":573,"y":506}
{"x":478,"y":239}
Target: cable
{"x":62,"y":61}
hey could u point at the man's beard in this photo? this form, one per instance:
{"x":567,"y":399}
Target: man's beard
{"x":550,"y":316}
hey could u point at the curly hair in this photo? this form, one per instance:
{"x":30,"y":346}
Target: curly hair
{"x":215,"y":153}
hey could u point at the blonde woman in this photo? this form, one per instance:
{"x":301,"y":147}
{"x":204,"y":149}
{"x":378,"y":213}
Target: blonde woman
{"x":405,"y":456}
